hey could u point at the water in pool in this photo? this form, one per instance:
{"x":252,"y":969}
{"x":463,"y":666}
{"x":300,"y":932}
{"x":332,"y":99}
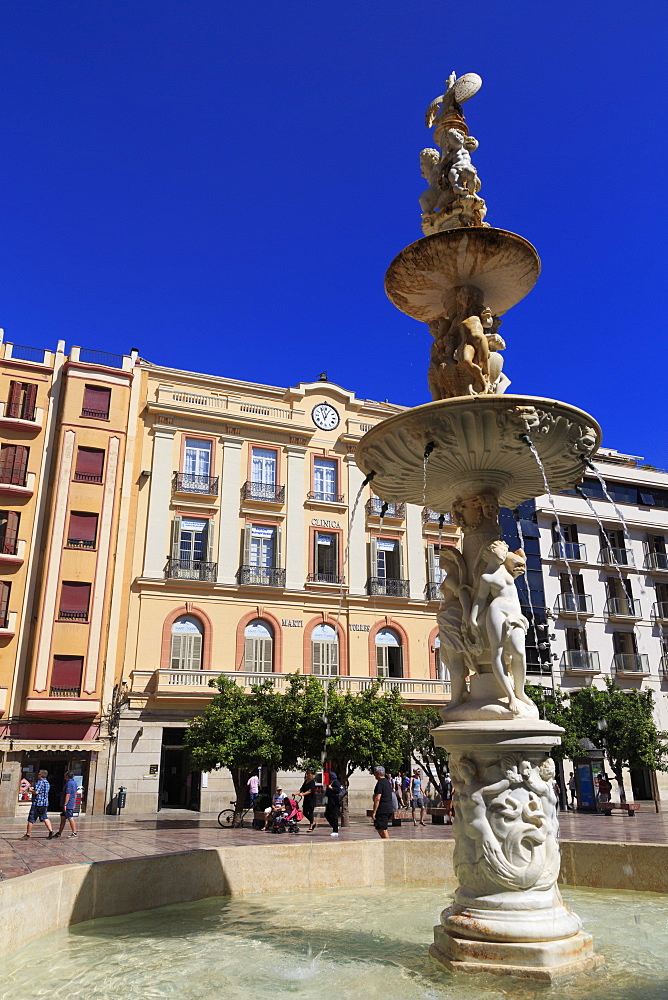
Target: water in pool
{"x":325,"y":945}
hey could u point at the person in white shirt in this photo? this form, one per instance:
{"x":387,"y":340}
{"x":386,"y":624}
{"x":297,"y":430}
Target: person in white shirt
{"x":253,"y":787}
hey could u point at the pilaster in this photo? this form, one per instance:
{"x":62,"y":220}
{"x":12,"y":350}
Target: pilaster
{"x":417,"y":565}
{"x":295,"y":561}
{"x":357,"y":561}
{"x":157,"y":530}
{"x":228,"y":536}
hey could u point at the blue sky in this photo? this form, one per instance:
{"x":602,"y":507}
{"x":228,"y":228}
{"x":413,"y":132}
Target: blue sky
{"x":223,"y":186}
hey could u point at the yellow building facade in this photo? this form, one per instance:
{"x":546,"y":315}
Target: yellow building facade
{"x":245,"y":559}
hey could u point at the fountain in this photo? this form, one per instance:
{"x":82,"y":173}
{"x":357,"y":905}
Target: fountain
{"x":485,"y":449}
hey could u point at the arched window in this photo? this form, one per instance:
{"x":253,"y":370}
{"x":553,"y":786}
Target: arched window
{"x":324,"y":650}
{"x":258,"y":647}
{"x":186,"y":647}
{"x":389,"y":654}
{"x":440,"y":669}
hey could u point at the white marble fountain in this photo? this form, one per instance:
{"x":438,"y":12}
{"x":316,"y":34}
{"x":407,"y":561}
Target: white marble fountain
{"x":473,"y":449}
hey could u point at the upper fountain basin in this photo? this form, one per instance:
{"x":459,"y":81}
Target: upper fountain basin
{"x":478,"y":446}
{"x":422,"y":279}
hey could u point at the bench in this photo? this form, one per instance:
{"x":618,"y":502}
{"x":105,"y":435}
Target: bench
{"x":439,"y":813}
{"x":606,"y":807}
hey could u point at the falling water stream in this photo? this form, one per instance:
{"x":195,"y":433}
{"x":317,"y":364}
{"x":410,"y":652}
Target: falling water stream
{"x":625,"y":529}
{"x":528,"y":585}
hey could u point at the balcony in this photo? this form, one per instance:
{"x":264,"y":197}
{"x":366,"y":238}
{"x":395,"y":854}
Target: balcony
{"x":87,"y":477}
{"x":18,"y":486}
{"x":623,"y":607}
{"x":616,"y":557}
{"x":660,"y":611}
{"x":73,"y":692}
{"x":80,"y":543}
{"x":263,"y":492}
{"x":433,"y":592}
{"x":192,"y":569}
{"x":631,"y":664}
{"x":331,"y":578}
{"x":325,"y":496}
{"x":194,"y":684}
{"x":72,"y":616}
{"x":22,"y":418}
{"x":375,"y":507}
{"x":656,"y":561}
{"x":385,"y":587}
{"x":580,"y":661}
{"x":430,"y":516}
{"x":12,"y":553}
{"x":8,"y":624}
{"x":88,"y":411}
{"x":574,"y":604}
{"x":663,"y":667}
{"x":184,"y":482}
{"x":569,"y":552}
{"x":261,"y":576}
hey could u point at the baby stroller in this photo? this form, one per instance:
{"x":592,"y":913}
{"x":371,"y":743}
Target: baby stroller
{"x":288,"y":820}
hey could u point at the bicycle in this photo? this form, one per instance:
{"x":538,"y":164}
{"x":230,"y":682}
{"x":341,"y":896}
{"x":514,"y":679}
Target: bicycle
{"x":226,"y":817}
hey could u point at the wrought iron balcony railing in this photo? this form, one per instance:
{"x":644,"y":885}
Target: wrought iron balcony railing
{"x":327,"y":496}
{"x":80,"y":543}
{"x":660,"y":611}
{"x":630,"y":663}
{"x":72,"y":616}
{"x":572,"y":604}
{"x":265,"y":492}
{"x":192,"y":569}
{"x":571,"y":551}
{"x":87,"y":477}
{"x":88,"y":411}
{"x":58,"y":692}
{"x":375,"y":507}
{"x":325,"y":578}
{"x":433,"y":591}
{"x":261,"y":576}
{"x":616,"y":557}
{"x":386,"y":587}
{"x":656,"y":560}
{"x":184,"y":482}
{"x":579,"y":660}
{"x":622,"y":607}
{"x":430,"y":516}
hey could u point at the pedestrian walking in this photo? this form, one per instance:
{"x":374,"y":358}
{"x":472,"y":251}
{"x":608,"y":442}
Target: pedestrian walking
{"x":68,"y":799}
{"x":253,"y":788}
{"x":307,"y":795}
{"x":604,"y":788}
{"x":335,"y":795}
{"x":405,"y":788}
{"x":571,"y":789}
{"x":417,"y":798}
{"x":383,"y":806}
{"x":40,"y":805}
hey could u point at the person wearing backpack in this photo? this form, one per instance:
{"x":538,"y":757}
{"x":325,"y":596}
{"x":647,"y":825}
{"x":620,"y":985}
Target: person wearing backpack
{"x":336,"y":793}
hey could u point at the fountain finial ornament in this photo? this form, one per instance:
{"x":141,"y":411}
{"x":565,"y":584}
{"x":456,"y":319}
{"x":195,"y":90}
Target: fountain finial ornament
{"x":452,"y":199}
{"x":472,"y":450}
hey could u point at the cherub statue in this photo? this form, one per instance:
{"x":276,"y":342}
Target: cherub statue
{"x":462,"y":175}
{"x":498,"y":382}
{"x":430,"y":200}
{"x":473,"y":350}
{"x":497,"y":598}
{"x":459,"y":644}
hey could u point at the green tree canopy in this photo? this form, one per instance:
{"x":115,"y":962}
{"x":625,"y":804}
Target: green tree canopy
{"x":432,"y":759}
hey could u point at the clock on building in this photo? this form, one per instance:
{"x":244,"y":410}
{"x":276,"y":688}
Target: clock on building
{"x":325,"y":417}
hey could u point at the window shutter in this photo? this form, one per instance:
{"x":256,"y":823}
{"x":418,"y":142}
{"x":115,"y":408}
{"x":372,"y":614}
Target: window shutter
{"x":66,"y":672}
{"x":4,"y":602}
{"x":11,"y":530}
{"x":176,"y":657}
{"x":176,"y":537}
{"x":248,"y":655}
{"x":75,"y":597}
{"x":431,"y":565}
{"x":400,"y":559}
{"x":29,"y":402}
{"x":278,"y":554}
{"x":334,"y":657}
{"x":266,"y":655}
{"x":247,"y":545}
{"x":97,"y":399}
{"x":83,"y":527}
{"x":195,"y":652}
{"x":381,"y":666}
{"x":14,"y":400}
{"x":90,"y":462}
{"x":6,"y":461}
{"x":316,"y":657}
{"x":209,"y":541}
{"x":373,"y":557}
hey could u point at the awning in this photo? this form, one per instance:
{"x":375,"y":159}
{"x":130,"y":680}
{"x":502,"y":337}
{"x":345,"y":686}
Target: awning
{"x":50,"y":746}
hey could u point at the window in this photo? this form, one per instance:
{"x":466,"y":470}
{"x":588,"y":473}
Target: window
{"x":82,"y":532}
{"x":326,"y":557}
{"x":186,"y":648}
{"x":324,"y":651}
{"x":21,"y":402}
{"x":262,"y":556}
{"x":9,"y":530}
{"x":90,"y":464}
{"x":620,"y":595}
{"x":96,"y":402}
{"x":258,"y":648}
{"x":74,"y":602}
{"x":387,"y":568}
{"x":571,"y":583}
{"x":5,"y":590}
{"x":440,"y":669}
{"x":624,"y":643}
{"x":569,"y":533}
{"x":576,"y":640}
{"x":389,"y":654}
{"x":435,"y":574}
{"x":13,"y":464}
{"x":192,"y":548}
{"x":66,"y":676}
{"x":196,"y":466}
{"x":325,"y":479}
{"x":264,"y":463}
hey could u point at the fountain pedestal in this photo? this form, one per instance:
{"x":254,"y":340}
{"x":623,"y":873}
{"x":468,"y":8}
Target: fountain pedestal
{"x":508,"y":916}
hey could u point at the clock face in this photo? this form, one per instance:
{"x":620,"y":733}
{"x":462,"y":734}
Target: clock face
{"x":325,"y":417}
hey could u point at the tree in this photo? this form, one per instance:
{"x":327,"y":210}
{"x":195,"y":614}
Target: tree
{"x":554,"y":707}
{"x":432,"y":759}
{"x":628,"y":731}
{"x":240,"y":731}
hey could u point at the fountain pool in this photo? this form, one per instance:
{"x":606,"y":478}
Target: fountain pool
{"x":363,"y":943}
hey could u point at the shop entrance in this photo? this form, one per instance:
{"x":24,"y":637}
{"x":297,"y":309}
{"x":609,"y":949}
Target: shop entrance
{"x":179,"y":786}
{"x":56,"y":765}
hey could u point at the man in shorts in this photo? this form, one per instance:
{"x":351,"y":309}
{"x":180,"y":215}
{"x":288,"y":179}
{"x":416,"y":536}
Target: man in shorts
{"x":68,"y":798}
{"x":383,"y":807}
{"x":40,"y":805}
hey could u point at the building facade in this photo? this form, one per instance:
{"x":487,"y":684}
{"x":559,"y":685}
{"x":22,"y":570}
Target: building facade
{"x":66,"y":423}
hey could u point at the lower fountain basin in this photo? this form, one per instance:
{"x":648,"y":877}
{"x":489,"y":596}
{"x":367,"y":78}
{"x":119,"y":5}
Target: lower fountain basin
{"x":349,"y":943}
{"x":477,"y":446}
